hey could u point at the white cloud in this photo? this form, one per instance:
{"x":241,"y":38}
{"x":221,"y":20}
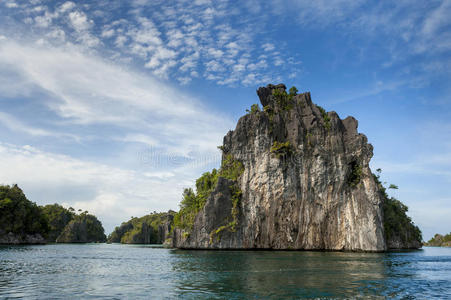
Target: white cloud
{"x":18,"y":126}
{"x":107,"y":33}
{"x":67,"y":6}
{"x":57,"y":34}
{"x":11,"y":4}
{"x":268,"y":47}
{"x":112,"y":193}
{"x":438,"y":18}
{"x":80,"y":21}
{"x":87,"y":90}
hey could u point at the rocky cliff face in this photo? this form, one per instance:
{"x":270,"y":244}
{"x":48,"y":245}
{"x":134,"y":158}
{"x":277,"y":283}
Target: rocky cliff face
{"x":16,"y":239}
{"x":306,"y":183}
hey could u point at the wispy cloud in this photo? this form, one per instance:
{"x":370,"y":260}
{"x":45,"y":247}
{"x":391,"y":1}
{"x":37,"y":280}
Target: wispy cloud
{"x":16,"y":125}
{"x":87,"y":90}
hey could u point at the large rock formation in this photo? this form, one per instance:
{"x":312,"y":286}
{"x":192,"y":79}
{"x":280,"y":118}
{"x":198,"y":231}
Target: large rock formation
{"x":306,"y":183}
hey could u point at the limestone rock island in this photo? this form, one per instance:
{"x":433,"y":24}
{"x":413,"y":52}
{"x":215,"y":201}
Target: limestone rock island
{"x":293,"y":176}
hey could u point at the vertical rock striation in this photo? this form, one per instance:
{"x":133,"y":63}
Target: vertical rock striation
{"x":306,"y":183}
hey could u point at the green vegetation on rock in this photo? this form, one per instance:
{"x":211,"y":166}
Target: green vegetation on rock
{"x":57,"y":217}
{"x":284,"y":100}
{"x":398,"y":226}
{"x":254,"y":109}
{"x":440,"y":240}
{"x":22,"y":221}
{"x":18,"y":215}
{"x":325,"y":116}
{"x":355,"y":175}
{"x":83,"y":228}
{"x":144,"y":230}
{"x":281,"y":149}
{"x":193,"y":201}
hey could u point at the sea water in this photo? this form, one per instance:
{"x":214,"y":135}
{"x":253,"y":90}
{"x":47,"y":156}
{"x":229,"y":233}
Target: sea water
{"x":114,"y":271}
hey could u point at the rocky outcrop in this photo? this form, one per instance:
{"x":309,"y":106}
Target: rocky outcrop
{"x":400,"y":242}
{"x":164,"y":230}
{"x":17,"y":239}
{"x":84,"y":228}
{"x":306,"y":183}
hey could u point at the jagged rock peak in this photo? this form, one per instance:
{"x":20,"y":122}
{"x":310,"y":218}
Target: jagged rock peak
{"x":265,"y":93}
{"x":304,"y":182}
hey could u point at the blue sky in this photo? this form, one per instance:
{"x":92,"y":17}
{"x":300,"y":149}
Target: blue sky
{"x":116,"y":106}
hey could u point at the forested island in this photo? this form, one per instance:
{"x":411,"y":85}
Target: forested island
{"x":440,"y":240}
{"x":24,"y":222}
{"x":153,"y":228}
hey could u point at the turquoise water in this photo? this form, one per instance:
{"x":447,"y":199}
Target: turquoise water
{"x":130,"y":271}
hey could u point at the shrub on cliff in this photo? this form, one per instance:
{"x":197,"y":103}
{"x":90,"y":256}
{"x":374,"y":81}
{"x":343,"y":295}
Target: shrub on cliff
{"x":254,"y":109}
{"x":192,"y":202}
{"x":281,"y":149}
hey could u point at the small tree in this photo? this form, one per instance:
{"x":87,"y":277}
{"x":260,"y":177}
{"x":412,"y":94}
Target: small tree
{"x":293,"y":91}
{"x":254,"y":109}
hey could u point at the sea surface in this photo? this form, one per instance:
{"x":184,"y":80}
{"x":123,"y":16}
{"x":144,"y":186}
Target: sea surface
{"x":114,"y":271}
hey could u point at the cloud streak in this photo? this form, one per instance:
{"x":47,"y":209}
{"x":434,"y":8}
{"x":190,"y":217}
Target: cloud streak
{"x":86,"y":90}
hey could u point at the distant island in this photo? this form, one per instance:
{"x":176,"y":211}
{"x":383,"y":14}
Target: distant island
{"x":154,"y":228}
{"x":440,"y":241}
{"x":293,"y":176}
{"x":24,"y":222}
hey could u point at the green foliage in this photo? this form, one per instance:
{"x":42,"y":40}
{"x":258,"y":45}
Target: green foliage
{"x":355,"y":175}
{"x":57,"y":217}
{"x":192,"y":202}
{"x":281,"y":149}
{"x":397,"y":224}
{"x":236,"y":197}
{"x":325,"y":116}
{"x":231,"y":168}
{"x":95,"y":231}
{"x":293,"y":91}
{"x":19,"y":215}
{"x":270,"y":112}
{"x":440,"y":240}
{"x":393,"y":187}
{"x":254,"y":109}
{"x":284,"y":101}
{"x":84,"y":228}
{"x":141,"y":230}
